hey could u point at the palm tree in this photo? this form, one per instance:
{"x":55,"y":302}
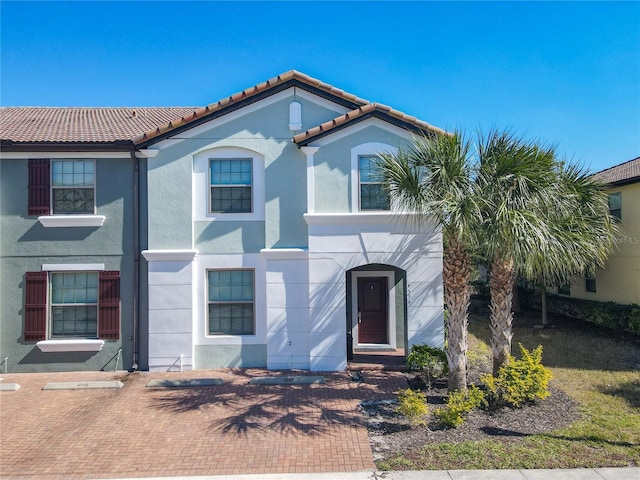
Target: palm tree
{"x":433,"y":178}
{"x":542,"y":220}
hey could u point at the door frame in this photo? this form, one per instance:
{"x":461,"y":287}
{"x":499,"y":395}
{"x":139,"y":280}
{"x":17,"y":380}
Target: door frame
{"x":391,"y":306}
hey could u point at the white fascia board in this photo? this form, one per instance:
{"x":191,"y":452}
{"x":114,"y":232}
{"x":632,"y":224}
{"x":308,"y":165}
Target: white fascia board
{"x":63,"y":155}
{"x":70,"y":345}
{"x":71,"y":220}
{"x":248,"y":110}
{"x":169,"y":255}
{"x":72,"y":267}
{"x":285,"y":253}
{"x":350,"y":130}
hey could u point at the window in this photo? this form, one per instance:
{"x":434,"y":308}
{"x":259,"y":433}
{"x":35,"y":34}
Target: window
{"x":72,"y":186}
{"x":615,"y":206}
{"x":231,"y":295}
{"x":61,"y":187}
{"x":564,"y":289}
{"x":590,"y":283}
{"x":231,"y":182}
{"x":373,"y":196}
{"x":72,"y":304}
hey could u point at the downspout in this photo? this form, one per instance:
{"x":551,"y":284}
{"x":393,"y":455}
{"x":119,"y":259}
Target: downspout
{"x":136,"y":259}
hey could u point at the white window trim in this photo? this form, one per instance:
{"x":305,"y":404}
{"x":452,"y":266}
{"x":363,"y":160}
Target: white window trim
{"x":200,"y":318}
{"x":391,"y":305}
{"x":71,"y":220}
{"x":210,"y":302}
{"x":72,"y":341}
{"x":70,"y":345}
{"x":202,"y":185}
{"x":231,"y":185}
{"x":365,"y":149}
{"x":73,"y":267}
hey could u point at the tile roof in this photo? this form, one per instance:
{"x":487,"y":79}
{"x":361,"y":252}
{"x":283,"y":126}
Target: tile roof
{"x":82,"y":124}
{"x":147,"y":125}
{"x":627,"y":172}
{"x":366,"y":111}
{"x":273,"y":85}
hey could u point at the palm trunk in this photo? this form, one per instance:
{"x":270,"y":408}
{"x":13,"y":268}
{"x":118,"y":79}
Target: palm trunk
{"x":500,"y":286}
{"x":457,"y":295}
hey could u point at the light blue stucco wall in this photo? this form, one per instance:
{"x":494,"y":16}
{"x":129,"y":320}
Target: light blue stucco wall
{"x":264,"y":131}
{"x":332,"y":168}
{"x":25,"y":245}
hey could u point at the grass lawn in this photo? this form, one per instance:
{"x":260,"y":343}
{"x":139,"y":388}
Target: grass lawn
{"x":596,"y":368}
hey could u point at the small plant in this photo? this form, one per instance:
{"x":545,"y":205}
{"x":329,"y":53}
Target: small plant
{"x":413,"y":405}
{"x":459,"y":404}
{"x":519,"y":381}
{"x":431,"y":362}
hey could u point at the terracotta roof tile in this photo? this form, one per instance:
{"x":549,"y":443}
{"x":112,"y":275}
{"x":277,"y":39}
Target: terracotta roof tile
{"x":627,"y":172}
{"x":370,"y":109}
{"x":247,"y":94}
{"x":82,"y":124}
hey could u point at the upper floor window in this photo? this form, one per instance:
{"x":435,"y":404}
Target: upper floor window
{"x":373,"y":196}
{"x":590,"y":283}
{"x":615,"y":205}
{"x":231,"y":185}
{"x":231,"y":295}
{"x":73,"y":186}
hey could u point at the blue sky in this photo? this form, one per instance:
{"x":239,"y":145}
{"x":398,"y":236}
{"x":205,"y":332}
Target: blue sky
{"x":565,"y":73}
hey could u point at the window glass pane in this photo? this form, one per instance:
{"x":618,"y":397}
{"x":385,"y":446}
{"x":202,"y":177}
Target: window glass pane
{"x":231,"y":199}
{"x":73,"y":200}
{"x":233,"y":171}
{"x":368,"y":169}
{"x":373,"y":197}
{"x":231,"y":292}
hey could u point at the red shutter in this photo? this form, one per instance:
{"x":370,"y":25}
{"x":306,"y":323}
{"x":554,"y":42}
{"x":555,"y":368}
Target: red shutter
{"x":39,"y":196}
{"x":109,"y":305}
{"x":35,"y":308}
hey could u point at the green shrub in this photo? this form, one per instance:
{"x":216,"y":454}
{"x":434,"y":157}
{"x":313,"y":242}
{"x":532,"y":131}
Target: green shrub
{"x":519,"y":381}
{"x":413,"y":405}
{"x":622,"y":318}
{"x":460,"y":403}
{"x":431,"y":362}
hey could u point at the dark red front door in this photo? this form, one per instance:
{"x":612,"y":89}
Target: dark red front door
{"x":372,"y":310}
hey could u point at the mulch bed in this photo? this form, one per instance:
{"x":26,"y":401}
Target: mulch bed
{"x":391,"y":432}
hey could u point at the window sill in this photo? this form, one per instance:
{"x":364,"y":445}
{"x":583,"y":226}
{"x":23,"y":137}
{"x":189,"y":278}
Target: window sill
{"x":71,"y":220}
{"x":70,"y":345}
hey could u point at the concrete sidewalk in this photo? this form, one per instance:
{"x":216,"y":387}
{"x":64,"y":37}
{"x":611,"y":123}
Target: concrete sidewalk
{"x":631,"y":473}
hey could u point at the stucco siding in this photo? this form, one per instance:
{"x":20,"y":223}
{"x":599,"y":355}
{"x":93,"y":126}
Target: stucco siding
{"x":26,"y":246}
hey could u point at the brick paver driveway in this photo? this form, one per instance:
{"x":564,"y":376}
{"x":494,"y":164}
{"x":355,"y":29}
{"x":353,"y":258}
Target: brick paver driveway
{"x":230,"y":429}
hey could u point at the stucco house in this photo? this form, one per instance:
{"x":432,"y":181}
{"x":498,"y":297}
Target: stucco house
{"x":249,"y":233}
{"x":619,"y":281}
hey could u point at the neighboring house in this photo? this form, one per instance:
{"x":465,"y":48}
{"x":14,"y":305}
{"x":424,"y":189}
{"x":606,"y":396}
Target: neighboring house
{"x":266,"y":239}
{"x":68,"y":236}
{"x":620,"y":280}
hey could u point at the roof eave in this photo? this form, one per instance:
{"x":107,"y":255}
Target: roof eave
{"x":113,"y":146}
{"x":373,"y":114}
{"x":146,"y":141}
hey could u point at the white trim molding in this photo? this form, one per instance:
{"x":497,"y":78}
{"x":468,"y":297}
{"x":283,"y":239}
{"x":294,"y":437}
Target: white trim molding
{"x":202,"y":185}
{"x":70,"y":345}
{"x":147,"y":152}
{"x":62,"y":155}
{"x":169,"y":255}
{"x":391,"y":305}
{"x":351,"y":218}
{"x":311,"y":193}
{"x":371,"y":148}
{"x":73,"y":267}
{"x":285,"y":253}
{"x":71,"y":220}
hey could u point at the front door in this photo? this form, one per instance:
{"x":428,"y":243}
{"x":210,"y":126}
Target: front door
{"x":372,"y":310}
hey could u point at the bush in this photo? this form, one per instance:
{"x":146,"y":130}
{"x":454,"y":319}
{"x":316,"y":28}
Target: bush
{"x":519,"y":381}
{"x":460,"y":403}
{"x":413,"y":405}
{"x":431,"y":362}
{"x":622,"y":318}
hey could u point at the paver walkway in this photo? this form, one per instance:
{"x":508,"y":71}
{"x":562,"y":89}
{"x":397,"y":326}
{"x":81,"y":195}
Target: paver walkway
{"x":235,"y":428}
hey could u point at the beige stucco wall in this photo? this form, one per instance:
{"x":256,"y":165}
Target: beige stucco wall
{"x":620,"y":280}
